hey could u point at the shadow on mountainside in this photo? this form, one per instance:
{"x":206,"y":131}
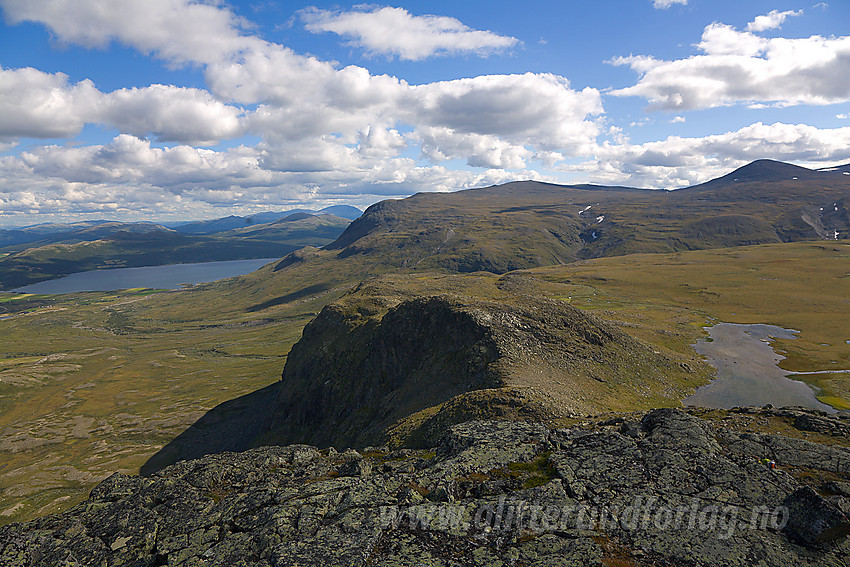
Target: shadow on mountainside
{"x":230,"y":426}
{"x":289,"y":297}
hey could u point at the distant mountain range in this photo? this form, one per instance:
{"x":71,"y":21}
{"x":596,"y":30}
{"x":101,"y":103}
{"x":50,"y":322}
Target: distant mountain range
{"x":80,"y":231}
{"x":92,"y":230}
{"x":234,"y":222}
{"x":56,"y":250}
{"x":517,"y":225}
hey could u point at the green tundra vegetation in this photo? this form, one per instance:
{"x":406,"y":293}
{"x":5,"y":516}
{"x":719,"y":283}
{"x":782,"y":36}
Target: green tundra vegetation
{"x":93,"y":383}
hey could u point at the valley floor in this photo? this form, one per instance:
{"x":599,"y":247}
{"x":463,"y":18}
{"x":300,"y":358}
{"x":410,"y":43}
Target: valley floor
{"x":95,"y":383}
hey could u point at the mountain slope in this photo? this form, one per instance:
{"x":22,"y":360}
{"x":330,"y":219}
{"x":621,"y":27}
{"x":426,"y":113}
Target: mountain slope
{"x":766,"y":170}
{"x":297,"y":229}
{"x":401,"y":345}
{"x":528,"y":224}
{"x":234,"y":222}
{"x":49,"y":233}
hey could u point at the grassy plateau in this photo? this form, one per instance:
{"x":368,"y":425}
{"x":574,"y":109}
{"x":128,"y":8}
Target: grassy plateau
{"x":94,"y":383}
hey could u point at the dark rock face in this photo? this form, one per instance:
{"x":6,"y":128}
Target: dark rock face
{"x":672,"y":490}
{"x":812,"y":520}
{"x":350,"y":376}
{"x":808,"y":422}
{"x":376,"y":357}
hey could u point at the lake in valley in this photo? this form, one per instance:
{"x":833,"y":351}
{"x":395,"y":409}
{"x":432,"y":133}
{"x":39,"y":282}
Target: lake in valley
{"x":748,"y":372}
{"x":157,"y":277}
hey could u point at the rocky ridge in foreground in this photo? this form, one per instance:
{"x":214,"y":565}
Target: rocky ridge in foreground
{"x":399,"y":358}
{"x":667,"y":487}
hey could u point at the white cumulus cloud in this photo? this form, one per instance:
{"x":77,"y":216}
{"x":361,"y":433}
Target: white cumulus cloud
{"x":35,"y":104}
{"x":679,"y":161}
{"x":131,"y":160}
{"x":741,"y":67}
{"x":170,"y":113}
{"x":300,"y":98}
{"x":176,"y":30}
{"x":439,"y":144}
{"x":536,"y":109}
{"x":771,"y":20}
{"x":395,"y":31}
{"x":44,"y":105}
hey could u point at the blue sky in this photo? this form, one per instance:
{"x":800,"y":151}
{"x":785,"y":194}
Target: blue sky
{"x":178,"y":109}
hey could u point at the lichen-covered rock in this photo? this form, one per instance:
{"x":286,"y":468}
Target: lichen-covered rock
{"x":813,"y":520}
{"x":665,"y":488}
{"x":386,"y":365}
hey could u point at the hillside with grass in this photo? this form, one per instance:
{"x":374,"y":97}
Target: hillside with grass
{"x":403,"y":355}
{"x":528,"y":224}
{"x":94,"y":383}
{"x":17,"y":239}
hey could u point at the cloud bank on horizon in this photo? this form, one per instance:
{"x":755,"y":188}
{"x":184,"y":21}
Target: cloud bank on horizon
{"x":354,"y":105}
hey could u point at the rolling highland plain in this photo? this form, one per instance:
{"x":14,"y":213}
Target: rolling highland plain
{"x":424,"y":284}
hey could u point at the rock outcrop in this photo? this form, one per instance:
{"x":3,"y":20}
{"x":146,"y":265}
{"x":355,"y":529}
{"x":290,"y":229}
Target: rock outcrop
{"x":663,"y":488}
{"x":391,"y":350}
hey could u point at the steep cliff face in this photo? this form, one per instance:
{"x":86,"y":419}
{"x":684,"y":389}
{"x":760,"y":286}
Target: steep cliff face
{"x":385,"y":357}
{"x":353,"y":372}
